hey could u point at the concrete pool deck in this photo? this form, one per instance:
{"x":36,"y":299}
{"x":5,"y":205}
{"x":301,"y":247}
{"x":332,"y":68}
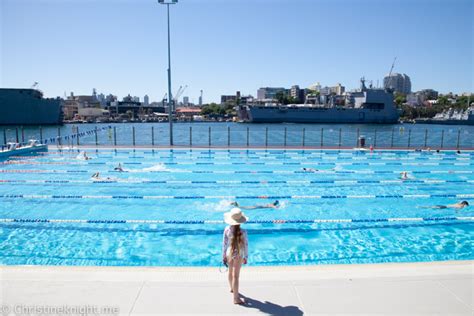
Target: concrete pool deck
{"x":441,"y":288}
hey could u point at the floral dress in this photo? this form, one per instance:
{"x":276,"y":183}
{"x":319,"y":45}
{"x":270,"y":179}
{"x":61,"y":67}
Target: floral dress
{"x":229,"y":253}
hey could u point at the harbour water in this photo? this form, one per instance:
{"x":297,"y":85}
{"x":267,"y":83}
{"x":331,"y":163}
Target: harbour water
{"x":241,"y":135}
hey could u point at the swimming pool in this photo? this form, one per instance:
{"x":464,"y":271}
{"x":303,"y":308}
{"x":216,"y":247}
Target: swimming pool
{"x":166,"y":209}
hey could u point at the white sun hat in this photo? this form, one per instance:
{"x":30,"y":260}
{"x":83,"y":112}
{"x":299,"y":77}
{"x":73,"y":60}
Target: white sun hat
{"x":235,"y":217}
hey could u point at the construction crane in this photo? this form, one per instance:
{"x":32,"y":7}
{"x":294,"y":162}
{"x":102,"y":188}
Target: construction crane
{"x":389,"y":84}
{"x":34,"y":85}
{"x":179,"y":93}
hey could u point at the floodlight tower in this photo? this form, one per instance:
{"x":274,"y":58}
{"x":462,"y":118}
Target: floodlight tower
{"x":170,"y":98}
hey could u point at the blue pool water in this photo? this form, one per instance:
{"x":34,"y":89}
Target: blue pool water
{"x":167,"y":208}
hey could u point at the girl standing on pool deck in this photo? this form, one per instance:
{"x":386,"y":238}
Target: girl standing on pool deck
{"x":235,"y":249}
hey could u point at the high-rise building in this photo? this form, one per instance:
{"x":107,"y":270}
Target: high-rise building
{"x":269,"y":93}
{"x":295,"y":91}
{"x":146,"y":99}
{"x":400,"y":83}
{"x":200,"y":99}
{"x":185,"y":101}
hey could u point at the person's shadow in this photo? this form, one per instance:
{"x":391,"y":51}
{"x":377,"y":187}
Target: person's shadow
{"x":271,"y":308}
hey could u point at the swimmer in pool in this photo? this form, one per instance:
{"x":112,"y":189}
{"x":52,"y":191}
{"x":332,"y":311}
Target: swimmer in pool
{"x":119,"y":168}
{"x":309,"y":170}
{"x":404,"y":175}
{"x":86,"y":157}
{"x":457,"y":206}
{"x":275,"y":204}
{"x":96,"y":176}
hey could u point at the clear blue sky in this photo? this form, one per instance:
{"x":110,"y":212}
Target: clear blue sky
{"x":220,"y":46}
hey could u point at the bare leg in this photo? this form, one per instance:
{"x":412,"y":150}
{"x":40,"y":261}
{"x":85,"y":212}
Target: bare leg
{"x":237,"y":263}
{"x":230,"y":274}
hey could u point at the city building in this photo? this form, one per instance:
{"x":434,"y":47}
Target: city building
{"x":70,"y":107}
{"x":160,"y":104}
{"x":185,"y":101}
{"x":110,"y":98}
{"x":234,"y":99}
{"x":72,"y":104}
{"x":101,"y":99}
{"x":247,"y":99}
{"x":429,"y":94}
{"x":415,"y":99}
{"x":92,"y":113}
{"x":187,"y":113}
{"x":338,"y":89}
{"x":267,"y":93}
{"x":315,"y":87}
{"x":228,"y":99}
{"x":131,"y":108}
{"x":400,"y":83}
{"x":146,"y":100}
{"x":298,"y":94}
{"x":422,"y":97}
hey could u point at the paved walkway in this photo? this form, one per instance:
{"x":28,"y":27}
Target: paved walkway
{"x":438,"y":288}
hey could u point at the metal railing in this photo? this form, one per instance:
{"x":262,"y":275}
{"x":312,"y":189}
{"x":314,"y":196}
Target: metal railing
{"x":204,"y":135}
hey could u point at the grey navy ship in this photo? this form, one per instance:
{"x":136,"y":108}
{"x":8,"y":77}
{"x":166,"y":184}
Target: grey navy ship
{"x":451,"y":117}
{"x":28,"y":107}
{"x":369,"y":105}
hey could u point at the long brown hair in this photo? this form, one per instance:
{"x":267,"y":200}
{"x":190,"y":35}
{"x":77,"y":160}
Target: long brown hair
{"x":236,"y":238}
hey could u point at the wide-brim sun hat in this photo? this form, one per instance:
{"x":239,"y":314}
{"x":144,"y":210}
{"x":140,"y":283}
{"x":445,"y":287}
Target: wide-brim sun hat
{"x":235,"y":217}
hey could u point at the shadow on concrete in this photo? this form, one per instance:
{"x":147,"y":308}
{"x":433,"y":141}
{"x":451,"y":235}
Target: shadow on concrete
{"x":270,"y":308}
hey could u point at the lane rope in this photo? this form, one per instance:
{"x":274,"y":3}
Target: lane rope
{"x":239,"y":181}
{"x":282,"y":221}
{"x":13,"y":162}
{"x":234,"y":197}
{"x":243,"y":171}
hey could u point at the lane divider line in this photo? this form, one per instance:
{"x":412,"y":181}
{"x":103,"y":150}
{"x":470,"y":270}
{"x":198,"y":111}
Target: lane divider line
{"x":291,"y":182}
{"x":62,"y":163}
{"x":243,"y":171}
{"x":281,"y":221}
{"x":234,"y":197}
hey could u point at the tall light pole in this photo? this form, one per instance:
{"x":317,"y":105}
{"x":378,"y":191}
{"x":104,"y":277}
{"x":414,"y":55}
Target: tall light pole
{"x":170,"y":97}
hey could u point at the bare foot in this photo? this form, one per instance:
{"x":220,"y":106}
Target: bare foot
{"x":239,"y":302}
{"x":231,"y":291}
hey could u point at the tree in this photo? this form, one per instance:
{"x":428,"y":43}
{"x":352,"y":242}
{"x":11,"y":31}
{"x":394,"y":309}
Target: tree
{"x":280,"y":96}
{"x":443,"y":100}
{"x":213,"y":109}
{"x":400,"y":99}
{"x":283,"y":98}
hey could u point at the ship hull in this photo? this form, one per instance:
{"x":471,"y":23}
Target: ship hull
{"x":446,"y":122}
{"x":257,"y":114}
{"x":28,"y":107}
